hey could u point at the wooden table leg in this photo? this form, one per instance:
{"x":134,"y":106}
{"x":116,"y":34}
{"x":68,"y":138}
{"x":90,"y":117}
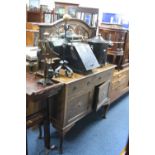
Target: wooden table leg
{"x":40,"y":131}
{"x":106,"y":107}
{"x":61,"y":144}
{"x":47,"y":125}
{"x":48,"y":146}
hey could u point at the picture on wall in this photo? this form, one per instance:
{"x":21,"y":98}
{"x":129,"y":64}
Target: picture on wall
{"x":87,"y":18}
{"x":114,"y":18}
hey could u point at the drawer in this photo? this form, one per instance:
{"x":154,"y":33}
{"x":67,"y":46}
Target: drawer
{"x":120,"y":80}
{"x":84,"y":85}
{"x":126,"y":72}
{"x":102,"y":77}
{"x":117,"y":76}
{"x":79,"y":106}
{"x":120,"y":86}
{"x":116,"y":92}
{"x":102,"y":95}
{"x":80,"y":87}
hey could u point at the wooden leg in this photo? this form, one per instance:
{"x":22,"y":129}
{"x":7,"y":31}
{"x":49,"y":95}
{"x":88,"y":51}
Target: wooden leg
{"x":48,"y":146}
{"x":47,"y":126}
{"x":105,"y":109}
{"x":40,"y":132}
{"x":61,"y":144}
{"x":62,"y":134}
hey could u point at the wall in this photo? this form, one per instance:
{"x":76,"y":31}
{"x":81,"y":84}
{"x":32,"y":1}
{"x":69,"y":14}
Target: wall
{"x":108,"y":6}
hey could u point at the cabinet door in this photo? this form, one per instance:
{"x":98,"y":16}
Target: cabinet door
{"x":102,"y":95}
{"x":79,"y":106}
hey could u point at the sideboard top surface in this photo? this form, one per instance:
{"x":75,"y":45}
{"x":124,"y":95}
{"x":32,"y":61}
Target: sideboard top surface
{"x":62,"y":78}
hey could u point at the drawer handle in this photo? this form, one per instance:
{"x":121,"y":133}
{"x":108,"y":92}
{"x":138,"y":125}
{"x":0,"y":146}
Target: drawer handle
{"x":99,"y":78}
{"x":74,"y":88}
{"x":88,"y":83}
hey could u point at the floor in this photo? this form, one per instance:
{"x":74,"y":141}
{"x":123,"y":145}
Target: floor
{"x":91,"y":135}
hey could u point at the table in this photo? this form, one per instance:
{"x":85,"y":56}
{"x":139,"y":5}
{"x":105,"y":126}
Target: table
{"x":44,"y":94}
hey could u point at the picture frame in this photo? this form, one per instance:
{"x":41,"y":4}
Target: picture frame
{"x":87,"y":18}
